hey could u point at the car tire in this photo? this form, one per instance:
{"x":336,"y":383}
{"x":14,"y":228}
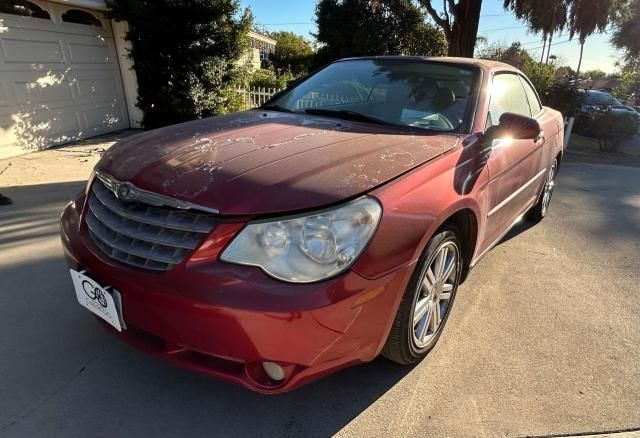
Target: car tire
{"x":427,"y":301}
{"x":540,"y":209}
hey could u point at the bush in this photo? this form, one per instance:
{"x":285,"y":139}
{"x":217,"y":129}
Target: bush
{"x":542,"y":76}
{"x":269,"y":79}
{"x":611,"y":131}
{"x":185,"y":56}
{"x":563,"y":97}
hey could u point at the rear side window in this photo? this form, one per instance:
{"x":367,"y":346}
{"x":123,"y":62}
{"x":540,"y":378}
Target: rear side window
{"x":534,"y":103}
{"x":507,"y":96}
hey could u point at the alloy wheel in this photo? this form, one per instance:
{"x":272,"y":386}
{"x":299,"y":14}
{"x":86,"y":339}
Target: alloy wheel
{"x":548,"y":189}
{"x":434,"y":298}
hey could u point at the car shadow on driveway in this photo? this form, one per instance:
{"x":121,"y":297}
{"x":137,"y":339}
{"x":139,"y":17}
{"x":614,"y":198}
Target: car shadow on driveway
{"x":65,"y":376}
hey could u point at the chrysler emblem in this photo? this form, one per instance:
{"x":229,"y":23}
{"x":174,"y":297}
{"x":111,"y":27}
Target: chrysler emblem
{"x":122,"y":191}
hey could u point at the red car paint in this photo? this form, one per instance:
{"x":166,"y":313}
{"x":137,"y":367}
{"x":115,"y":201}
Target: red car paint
{"x":224,"y":319}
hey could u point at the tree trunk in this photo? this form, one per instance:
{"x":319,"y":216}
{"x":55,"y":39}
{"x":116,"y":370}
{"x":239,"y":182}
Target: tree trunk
{"x":464,"y":30}
{"x":580,"y":60}
{"x":544,"y":46}
{"x":549,"y":48}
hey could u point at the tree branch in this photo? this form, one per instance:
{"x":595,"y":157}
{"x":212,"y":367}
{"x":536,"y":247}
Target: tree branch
{"x":453,"y":9}
{"x":434,"y":14}
{"x":446,"y":15}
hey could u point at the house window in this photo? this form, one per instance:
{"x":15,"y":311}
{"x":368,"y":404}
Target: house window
{"x":23,"y":8}
{"x":81,"y":17}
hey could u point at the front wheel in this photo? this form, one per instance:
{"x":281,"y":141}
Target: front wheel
{"x":427,"y":301}
{"x":539,"y":211}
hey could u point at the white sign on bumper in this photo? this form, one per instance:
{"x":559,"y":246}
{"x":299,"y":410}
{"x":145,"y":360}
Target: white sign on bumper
{"x":97,"y":299}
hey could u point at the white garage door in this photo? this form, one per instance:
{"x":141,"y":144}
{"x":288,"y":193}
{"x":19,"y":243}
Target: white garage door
{"x":59,"y":75}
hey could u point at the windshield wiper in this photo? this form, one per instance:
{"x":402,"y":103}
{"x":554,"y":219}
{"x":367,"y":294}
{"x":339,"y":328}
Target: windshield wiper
{"x":346,"y":114}
{"x":273,"y":107}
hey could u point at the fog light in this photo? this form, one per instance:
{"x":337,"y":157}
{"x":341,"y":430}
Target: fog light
{"x":273,"y":370}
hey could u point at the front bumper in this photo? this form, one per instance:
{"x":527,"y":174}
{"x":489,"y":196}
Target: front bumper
{"x":224,"y":320}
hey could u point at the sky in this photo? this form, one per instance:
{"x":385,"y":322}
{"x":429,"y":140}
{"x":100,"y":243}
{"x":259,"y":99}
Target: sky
{"x":496,"y":25}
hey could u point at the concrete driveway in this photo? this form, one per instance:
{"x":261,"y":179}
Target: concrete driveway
{"x":544,"y":337}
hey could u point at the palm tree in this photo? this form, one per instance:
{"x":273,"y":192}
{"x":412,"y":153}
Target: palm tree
{"x":587,"y":17}
{"x":544,"y":46}
{"x":580,"y":58}
{"x":546,"y":16}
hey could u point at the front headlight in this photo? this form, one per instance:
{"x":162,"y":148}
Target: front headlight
{"x":303,"y":249}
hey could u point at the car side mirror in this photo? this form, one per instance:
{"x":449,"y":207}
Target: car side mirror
{"x":515,"y":126}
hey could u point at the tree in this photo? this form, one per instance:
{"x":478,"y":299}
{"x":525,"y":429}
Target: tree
{"x":546,"y":16}
{"x":587,"y":17}
{"x":626,"y":35}
{"x":594,"y":74}
{"x":459,"y":21}
{"x":364,"y":27}
{"x":185,"y":55}
{"x":292,"y":54}
{"x":581,"y":17}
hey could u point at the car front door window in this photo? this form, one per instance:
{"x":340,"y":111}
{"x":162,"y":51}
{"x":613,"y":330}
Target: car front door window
{"x":507,"y":96}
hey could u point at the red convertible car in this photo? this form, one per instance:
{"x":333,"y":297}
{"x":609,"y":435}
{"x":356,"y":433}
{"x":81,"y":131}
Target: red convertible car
{"x":333,"y":224}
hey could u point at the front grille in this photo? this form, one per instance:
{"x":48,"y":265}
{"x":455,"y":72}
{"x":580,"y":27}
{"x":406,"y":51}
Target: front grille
{"x":142,"y":235}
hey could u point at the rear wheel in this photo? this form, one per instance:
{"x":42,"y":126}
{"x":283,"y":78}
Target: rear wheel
{"x":427,"y":301}
{"x":539,"y":211}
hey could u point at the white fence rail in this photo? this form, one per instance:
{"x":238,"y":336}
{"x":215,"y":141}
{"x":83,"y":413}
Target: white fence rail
{"x":256,"y":96}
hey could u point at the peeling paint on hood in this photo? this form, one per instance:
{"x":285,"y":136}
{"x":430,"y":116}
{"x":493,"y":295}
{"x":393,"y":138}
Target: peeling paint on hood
{"x":259,"y":162}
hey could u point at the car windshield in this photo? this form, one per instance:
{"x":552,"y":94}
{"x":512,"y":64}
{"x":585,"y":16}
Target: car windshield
{"x":601,"y":98}
{"x":419,"y":94}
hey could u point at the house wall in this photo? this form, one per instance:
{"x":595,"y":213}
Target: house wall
{"x":251,"y":59}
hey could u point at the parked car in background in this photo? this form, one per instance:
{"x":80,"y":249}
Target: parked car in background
{"x":598,"y":103}
{"x":278,"y":245}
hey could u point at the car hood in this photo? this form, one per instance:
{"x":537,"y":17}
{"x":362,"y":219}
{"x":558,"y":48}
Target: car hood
{"x":259,"y":162}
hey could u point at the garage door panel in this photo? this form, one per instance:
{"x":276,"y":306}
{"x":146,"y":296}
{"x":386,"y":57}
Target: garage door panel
{"x":40,"y":51}
{"x":97,"y":89}
{"x":90,"y":53}
{"x":18,"y":23}
{"x":28,"y":93}
{"x":104,"y":119}
{"x":7,"y":136}
{"x":41,"y":129}
{"x":33,"y":88}
{"x":4,"y":99}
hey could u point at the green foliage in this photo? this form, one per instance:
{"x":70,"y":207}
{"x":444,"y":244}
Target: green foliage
{"x":360,"y":28}
{"x":542,"y":76}
{"x":626,"y":35}
{"x":269,"y":79}
{"x":629,"y":81}
{"x":546,"y":16}
{"x":293,"y":53}
{"x":611,"y":131}
{"x":563,"y":97}
{"x":185,"y":56}
{"x":594,"y":74}
{"x":514,"y":55}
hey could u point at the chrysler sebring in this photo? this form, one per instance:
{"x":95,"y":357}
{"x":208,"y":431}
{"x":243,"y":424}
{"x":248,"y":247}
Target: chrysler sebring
{"x":331,"y":225}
